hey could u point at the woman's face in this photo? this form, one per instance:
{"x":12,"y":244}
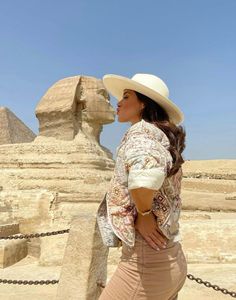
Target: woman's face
{"x":129,"y":107}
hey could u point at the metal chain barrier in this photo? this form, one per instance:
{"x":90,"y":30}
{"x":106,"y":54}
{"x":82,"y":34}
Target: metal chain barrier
{"x":26,"y":236}
{"x":33,"y":235}
{"x":35,"y":282}
{"x":214,"y":286}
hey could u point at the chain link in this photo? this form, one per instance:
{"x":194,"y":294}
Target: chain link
{"x":26,"y":236}
{"x":41,"y":282}
{"x":214,"y":286}
{"x":34,"y":235}
{"x":24,"y":282}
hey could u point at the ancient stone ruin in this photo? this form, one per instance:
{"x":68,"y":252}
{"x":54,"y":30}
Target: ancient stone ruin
{"x":56,"y":180}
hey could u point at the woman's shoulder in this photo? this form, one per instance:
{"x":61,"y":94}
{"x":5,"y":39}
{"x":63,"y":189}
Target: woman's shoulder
{"x":148,"y":130}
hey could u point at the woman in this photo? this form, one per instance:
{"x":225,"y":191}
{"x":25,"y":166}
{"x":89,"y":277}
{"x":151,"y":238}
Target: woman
{"x":143,"y":199}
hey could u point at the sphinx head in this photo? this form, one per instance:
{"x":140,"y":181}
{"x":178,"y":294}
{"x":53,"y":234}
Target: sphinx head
{"x":94,"y":101}
{"x":73,"y":105}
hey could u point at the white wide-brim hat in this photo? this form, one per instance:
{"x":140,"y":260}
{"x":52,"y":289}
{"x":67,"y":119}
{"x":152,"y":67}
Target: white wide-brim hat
{"x":148,"y":85}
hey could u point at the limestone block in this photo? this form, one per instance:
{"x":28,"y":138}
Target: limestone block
{"x":85,"y":261}
{"x":9,"y":229}
{"x":207,"y":201}
{"x":209,"y":237}
{"x":209,"y":185}
{"x":12,"y":251}
{"x":52,"y":249}
{"x":33,"y":210}
{"x":28,"y":208}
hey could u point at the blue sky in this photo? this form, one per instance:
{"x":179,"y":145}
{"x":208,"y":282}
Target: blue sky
{"x":190,"y":44}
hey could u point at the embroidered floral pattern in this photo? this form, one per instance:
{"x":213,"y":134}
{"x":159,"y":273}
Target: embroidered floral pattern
{"x":144,"y":152}
{"x":161,"y":208}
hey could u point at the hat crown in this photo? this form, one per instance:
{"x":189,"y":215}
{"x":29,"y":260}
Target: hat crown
{"x":153,"y":82}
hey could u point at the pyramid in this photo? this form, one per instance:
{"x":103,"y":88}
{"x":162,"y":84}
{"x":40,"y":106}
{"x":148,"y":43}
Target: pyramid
{"x":12,"y":129}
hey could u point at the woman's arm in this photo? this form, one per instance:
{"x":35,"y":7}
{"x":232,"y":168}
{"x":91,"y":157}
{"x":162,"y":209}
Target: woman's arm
{"x":146,"y":163}
{"x":142,"y":198}
{"x":147,"y":225}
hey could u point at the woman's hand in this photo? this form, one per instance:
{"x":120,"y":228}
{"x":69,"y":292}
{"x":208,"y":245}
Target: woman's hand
{"x":147,"y":227}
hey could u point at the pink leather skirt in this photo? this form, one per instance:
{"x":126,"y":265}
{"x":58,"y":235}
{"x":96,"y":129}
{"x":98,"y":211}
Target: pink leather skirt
{"x":147,"y":274}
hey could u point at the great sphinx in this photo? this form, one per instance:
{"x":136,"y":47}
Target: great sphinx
{"x":73,"y":106}
{"x":64,"y":170}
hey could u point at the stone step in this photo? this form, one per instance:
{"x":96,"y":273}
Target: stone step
{"x":12,"y":251}
{"x":209,"y":185}
{"x":29,"y":269}
{"x":208,"y":201}
{"x":9,"y":229}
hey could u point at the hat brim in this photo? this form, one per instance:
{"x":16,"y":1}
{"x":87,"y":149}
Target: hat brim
{"x":115,"y":85}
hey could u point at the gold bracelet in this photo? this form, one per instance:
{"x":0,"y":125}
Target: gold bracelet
{"x":147,"y":212}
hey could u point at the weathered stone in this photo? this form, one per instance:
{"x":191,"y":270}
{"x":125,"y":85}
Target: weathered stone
{"x":210,"y":239}
{"x":8,"y":229}
{"x":64,"y":171}
{"x":74,"y":104}
{"x":85,"y":261}
{"x":62,"y":176}
{"x":12,"y":251}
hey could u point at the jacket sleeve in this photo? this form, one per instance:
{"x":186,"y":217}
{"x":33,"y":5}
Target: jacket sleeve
{"x":146,"y":161}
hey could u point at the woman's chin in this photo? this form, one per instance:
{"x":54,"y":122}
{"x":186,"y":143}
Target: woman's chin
{"x":120,"y":119}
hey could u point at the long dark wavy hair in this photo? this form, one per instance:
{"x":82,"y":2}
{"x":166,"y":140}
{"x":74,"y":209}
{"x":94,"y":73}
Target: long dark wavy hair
{"x":176,"y":134}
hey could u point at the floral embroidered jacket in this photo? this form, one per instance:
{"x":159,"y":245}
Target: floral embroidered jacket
{"x":142,"y":160}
